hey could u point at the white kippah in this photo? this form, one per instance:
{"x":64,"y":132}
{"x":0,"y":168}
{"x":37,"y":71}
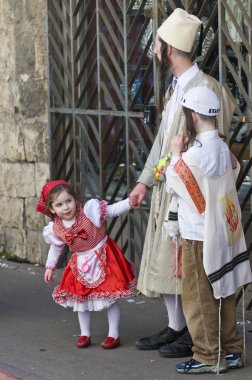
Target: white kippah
{"x":202,"y":100}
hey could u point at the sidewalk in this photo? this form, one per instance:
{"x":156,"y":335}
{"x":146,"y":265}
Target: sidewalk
{"x":37,"y":336}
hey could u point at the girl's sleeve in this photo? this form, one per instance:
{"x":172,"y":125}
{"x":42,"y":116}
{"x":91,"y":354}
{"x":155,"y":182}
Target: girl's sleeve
{"x":92,"y":209}
{"x":99,"y":211}
{"x":118,"y":208}
{"x":56,"y":246}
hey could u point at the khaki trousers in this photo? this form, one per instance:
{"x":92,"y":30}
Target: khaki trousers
{"x":201,"y":310}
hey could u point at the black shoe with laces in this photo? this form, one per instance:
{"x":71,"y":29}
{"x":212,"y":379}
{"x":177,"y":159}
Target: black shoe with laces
{"x":180,"y":348}
{"x":154,"y":342}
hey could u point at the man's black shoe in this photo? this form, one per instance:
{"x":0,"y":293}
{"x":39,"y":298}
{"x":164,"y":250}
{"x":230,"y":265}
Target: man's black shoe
{"x":178,"y":349}
{"x":168,"y":335}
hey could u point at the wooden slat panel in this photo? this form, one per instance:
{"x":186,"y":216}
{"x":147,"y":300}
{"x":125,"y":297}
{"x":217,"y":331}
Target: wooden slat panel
{"x":112,"y":34}
{"x":237,"y":27}
{"x":112,"y":56}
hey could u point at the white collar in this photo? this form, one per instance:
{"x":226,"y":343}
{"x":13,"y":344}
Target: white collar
{"x":68,"y":223}
{"x":206,"y":136}
{"x":187,"y":75}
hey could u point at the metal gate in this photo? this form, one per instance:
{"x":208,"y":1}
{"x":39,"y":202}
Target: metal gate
{"x":103,"y":94}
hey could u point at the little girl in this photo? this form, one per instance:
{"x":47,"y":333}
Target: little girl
{"x":97,"y":273}
{"x":215,"y":261}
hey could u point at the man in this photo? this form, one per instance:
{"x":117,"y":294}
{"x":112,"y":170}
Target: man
{"x":158,"y":271}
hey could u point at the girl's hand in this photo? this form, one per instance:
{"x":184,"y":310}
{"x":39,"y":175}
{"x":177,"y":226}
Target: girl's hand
{"x":48,"y":275}
{"x":137,"y":195}
{"x":177,"y":144}
{"x":133,"y":200}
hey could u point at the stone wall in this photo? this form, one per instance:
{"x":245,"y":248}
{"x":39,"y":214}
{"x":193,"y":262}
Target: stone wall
{"x":24,"y":160}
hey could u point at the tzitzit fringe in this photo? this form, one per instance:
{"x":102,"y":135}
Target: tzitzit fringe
{"x":219,"y":353}
{"x":243,"y":326}
{"x":176,"y":277}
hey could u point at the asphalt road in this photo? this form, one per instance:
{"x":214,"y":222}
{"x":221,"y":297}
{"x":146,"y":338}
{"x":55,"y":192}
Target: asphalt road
{"x":37,"y":336}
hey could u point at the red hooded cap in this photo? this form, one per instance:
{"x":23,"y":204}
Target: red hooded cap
{"x":47,"y":188}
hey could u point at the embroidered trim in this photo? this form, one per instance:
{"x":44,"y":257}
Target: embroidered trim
{"x":103,"y":211}
{"x":62,"y":296}
{"x":217,"y":275}
{"x":191,"y":185}
{"x":81,"y":276}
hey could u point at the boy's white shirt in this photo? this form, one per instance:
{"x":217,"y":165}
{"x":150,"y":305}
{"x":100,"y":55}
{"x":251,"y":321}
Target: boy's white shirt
{"x":205,"y":151}
{"x":224,"y":262}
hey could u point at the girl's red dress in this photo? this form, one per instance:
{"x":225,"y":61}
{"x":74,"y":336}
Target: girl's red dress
{"x":97,"y":269}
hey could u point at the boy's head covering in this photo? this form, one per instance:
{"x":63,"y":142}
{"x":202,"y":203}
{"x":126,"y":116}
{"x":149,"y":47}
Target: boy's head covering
{"x":179,"y":30}
{"x":202,"y":100}
{"x":47,"y":188}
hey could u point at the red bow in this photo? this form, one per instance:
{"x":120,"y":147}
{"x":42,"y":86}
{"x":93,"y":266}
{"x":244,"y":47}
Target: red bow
{"x":70,"y":237}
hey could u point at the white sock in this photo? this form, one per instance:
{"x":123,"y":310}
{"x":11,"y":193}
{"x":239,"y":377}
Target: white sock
{"x":113,"y":314}
{"x":84,"y":321}
{"x":175,"y":312}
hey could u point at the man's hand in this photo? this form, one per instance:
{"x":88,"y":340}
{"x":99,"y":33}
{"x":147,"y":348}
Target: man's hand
{"x":48,"y":275}
{"x":177,"y":143}
{"x":137,"y":195}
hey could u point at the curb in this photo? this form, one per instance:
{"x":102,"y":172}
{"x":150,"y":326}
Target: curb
{"x":12,"y":373}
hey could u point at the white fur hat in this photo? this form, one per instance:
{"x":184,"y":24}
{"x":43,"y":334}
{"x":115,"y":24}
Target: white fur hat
{"x":179,"y":30}
{"x":202,"y":100}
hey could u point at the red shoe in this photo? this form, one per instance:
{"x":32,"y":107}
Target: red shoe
{"x":83,"y":341}
{"x":110,"y":342}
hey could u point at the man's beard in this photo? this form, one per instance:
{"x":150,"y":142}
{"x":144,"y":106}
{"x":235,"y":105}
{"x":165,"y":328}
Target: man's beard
{"x":165,"y":72}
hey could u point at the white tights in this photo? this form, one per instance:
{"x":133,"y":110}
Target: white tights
{"x":113,"y":314}
{"x":174,"y":311}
